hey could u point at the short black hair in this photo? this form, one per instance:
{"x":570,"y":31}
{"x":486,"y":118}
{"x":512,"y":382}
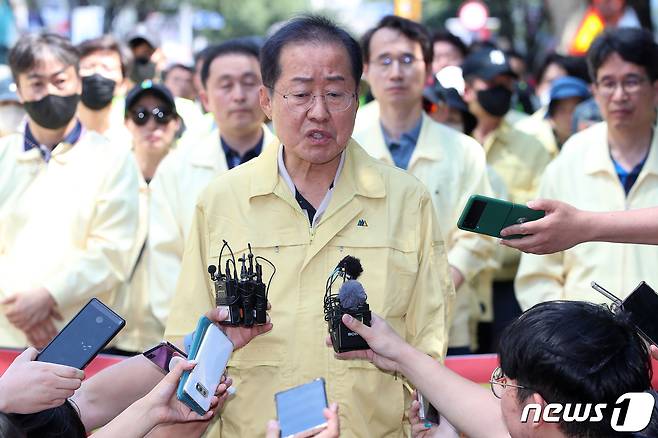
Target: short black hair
{"x":62,"y":421}
{"x":632,"y":45}
{"x":575,"y":352}
{"x":411,"y":29}
{"x":29,"y":50}
{"x":312,"y":29}
{"x":450,"y":38}
{"x":8,"y":428}
{"x":110,"y":44}
{"x":238,"y":46}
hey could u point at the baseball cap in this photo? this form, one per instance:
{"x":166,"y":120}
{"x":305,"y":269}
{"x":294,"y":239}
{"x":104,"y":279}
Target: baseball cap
{"x":148,"y":37}
{"x":487,"y":63}
{"x":565,"y":87}
{"x":436,"y":93}
{"x":149,"y":87}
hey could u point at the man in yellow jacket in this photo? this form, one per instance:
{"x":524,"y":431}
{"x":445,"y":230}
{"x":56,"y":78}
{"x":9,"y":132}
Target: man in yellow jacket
{"x":68,"y":200}
{"x":311,"y":198}
{"x":612,"y":165}
{"x":397,"y":59}
{"x":231,"y":77}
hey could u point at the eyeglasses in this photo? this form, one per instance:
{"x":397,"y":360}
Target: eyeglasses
{"x":141,"y":116}
{"x":498,"y":383}
{"x":336,"y":101}
{"x":405,"y":61}
{"x":630,"y":85}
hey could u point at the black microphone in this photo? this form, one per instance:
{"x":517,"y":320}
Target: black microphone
{"x":351,"y":299}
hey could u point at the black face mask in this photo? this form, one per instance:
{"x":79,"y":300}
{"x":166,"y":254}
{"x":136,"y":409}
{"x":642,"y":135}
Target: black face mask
{"x":97,"y":91}
{"x":143,"y":69}
{"x":496,"y":100}
{"x":52,"y":112}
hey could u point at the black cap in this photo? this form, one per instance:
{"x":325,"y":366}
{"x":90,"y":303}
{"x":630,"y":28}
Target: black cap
{"x":147,"y":37}
{"x":149,"y":87}
{"x":487,"y":64}
{"x":437,"y":93}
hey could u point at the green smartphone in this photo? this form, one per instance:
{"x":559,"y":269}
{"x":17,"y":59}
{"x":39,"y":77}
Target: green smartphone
{"x":489,"y":216}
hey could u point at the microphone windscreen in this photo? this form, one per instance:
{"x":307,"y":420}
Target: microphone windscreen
{"x":352,"y":266}
{"x":351,"y":294}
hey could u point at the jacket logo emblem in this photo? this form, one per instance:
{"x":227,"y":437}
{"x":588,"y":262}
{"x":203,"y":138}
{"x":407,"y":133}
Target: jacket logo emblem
{"x":362,"y":223}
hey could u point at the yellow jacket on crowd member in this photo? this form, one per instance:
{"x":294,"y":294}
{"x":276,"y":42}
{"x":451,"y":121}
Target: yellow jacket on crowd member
{"x":142,"y":328}
{"x":67,"y":225}
{"x":519,"y":160}
{"x":584,"y":176}
{"x":181,"y":176}
{"x":378,"y":214}
{"x":452,"y":166}
{"x":538,"y":126}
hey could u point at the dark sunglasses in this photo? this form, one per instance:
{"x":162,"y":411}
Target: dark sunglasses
{"x":140,"y":116}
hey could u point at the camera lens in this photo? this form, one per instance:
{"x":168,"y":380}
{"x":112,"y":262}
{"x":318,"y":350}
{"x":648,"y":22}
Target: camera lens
{"x":99,"y":320}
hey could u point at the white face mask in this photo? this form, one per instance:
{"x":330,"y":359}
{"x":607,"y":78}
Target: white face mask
{"x":11,"y":118}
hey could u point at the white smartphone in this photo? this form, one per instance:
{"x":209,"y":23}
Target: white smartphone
{"x":213,"y":355}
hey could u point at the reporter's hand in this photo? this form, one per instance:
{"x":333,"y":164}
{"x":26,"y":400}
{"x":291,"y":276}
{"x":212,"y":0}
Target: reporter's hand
{"x":385,"y":344}
{"x":654,"y":351}
{"x":240,"y":336}
{"x":331,"y":431}
{"x":28,"y":386}
{"x":562,"y":228}
{"x":419,"y":429}
{"x":162,"y":403}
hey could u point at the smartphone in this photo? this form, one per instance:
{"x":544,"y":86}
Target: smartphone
{"x":300,"y":409}
{"x":162,"y":353}
{"x":641,"y":305}
{"x":84,"y":336}
{"x":427,"y":411}
{"x":489,"y":216}
{"x":212,"y":350}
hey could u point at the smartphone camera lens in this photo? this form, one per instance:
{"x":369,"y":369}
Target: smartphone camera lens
{"x":202,"y":390}
{"x":99,"y":320}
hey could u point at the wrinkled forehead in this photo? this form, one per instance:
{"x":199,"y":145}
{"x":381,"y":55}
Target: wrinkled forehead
{"x":314,"y":63}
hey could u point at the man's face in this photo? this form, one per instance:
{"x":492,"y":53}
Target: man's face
{"x":152,"y":137}
{"x":474,"y":85}
{"x":563,"y":113}
{"x":318,"y":133}
{"x":231,"y":93}
{"x":511,"y":410}
{"x":625,"y":94}
{"x":106,"y":63}
{"x":48,"y":76}
{"x":396,"y":70}
{"x":445,"y":54}
{"x":180,"y":81}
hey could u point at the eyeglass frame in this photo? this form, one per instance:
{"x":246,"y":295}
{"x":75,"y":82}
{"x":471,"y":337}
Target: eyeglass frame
{"x":167,"y":115}
{"x":611,"y":88}
{"x":311,"y":102}
{"x":493,"y":380}
{"x":380,"y":61}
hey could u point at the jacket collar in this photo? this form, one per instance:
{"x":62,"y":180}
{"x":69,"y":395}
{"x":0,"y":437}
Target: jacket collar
{"x":358,"y":176}
{"x":209,"y":153}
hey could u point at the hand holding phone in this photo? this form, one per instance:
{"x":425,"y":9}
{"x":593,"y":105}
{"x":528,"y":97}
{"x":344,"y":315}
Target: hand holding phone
{"x":300,"y":409}
{"x":490,"y":216}
{"x":427,"y":412}
{"x":84,"y":336}
{"x":162,"y":354}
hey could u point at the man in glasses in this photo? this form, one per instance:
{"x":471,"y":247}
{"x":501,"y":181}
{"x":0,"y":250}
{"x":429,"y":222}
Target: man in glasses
{"x":563,"y":352}
{"x":153,"y":122}
{"x":612,"y":165}
{"x":311,"y":198}
{"x":397,"y":56}
{"x":68,"y":200}
{"x":230,"y":75}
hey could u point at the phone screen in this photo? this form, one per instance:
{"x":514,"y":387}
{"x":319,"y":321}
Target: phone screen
{"x":642,"y":305}
{"x":84,"y":336}
{"x":300,"y":409}
{"x":162,"y":353}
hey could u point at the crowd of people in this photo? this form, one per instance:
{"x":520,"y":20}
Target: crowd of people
{"x":123,"y":177}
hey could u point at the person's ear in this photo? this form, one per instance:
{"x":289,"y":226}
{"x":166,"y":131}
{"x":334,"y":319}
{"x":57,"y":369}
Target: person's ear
{"x":537,"y":399}
{"x":203,"y":97}
{"x":265,"y":101}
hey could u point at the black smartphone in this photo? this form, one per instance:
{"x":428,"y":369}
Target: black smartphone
{"x":427,"y":411}
{"x":300,"y":409}
{"x":162,"y":353}
{"x":84,"y":336}
{"x":642,"y":305}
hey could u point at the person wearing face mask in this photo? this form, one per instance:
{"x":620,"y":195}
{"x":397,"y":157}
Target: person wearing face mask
{"x":517,"y":157}
{"x":397,"y":56}
{"x":104,"y":66}
{"x":68,"y":200}
{"x":144,"y":47}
